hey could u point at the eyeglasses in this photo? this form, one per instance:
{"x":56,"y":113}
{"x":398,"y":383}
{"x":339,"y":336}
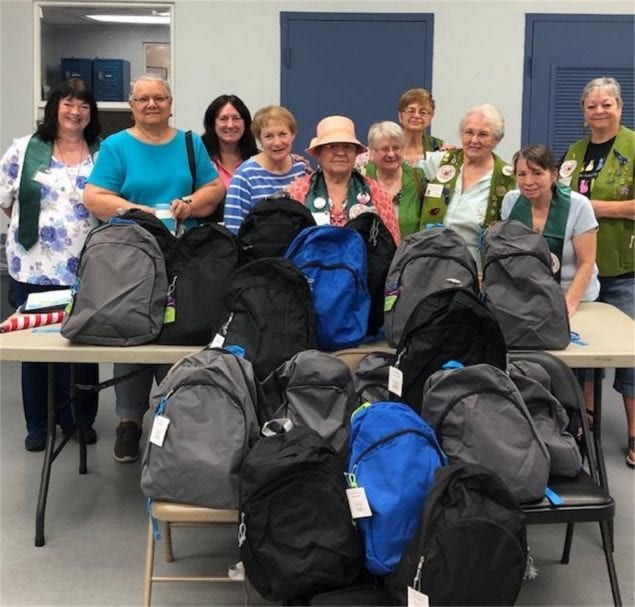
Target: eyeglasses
{"x":226,"y":119}
{"x":340,"y":147}
{"x":388,"y":149}
{"x":158,"y":100}
{"x":417,"y":112}
{"x":480,"y":135}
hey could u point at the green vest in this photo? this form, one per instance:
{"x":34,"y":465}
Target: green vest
{"x":413,"y":186}
{"x":434,"y":208}
{"x":431,"y":144}
{"x":615,"y":254}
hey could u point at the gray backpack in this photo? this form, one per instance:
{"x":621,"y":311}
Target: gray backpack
{"x":313,"y":389}
{"x":520,"y":289}
{"x":120,"y":291}
{"x":425,"y":262}
{"x":480,"y":418}
{"x":209,"y":399}
{"x":371,"y":377}
{"x":550,"y":417}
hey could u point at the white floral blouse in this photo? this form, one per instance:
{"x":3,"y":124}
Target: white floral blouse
{"x":64,"y":221}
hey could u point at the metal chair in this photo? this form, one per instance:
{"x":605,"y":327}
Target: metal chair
{"x":181,"y":515}
{"x":583,"y":498}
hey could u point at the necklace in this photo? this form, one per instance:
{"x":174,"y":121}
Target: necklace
{"x":74,"y":196}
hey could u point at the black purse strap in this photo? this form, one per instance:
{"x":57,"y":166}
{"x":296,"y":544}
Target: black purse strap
{"x":189,"y":144}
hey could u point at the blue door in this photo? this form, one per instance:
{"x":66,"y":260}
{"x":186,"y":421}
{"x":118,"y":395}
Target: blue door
{"x":353,"y":64}
{"x":564,"y":52}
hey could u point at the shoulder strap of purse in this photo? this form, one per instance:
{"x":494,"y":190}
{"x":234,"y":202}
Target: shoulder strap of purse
{"x":189,"y":144}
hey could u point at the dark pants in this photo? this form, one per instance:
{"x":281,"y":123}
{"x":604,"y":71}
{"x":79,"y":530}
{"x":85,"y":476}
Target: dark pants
{"x":35,"y":383}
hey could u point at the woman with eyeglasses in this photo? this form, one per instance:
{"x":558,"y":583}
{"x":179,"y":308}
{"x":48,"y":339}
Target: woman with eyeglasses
{"x":228,"y":138}
{"x":143,"y":167}
{"x":404,"y":183}
{"x":466,"y":186}
{"x":601,"y":166}
{"x":416,"y":110}
{"x":337,"y":192}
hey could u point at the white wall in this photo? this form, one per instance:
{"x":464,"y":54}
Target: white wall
{"x":224,"y":46}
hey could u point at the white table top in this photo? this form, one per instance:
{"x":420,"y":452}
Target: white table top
{"x":609,"y":333}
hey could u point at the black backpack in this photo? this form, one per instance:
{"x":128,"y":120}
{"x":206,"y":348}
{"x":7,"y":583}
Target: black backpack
{"x":199,"y":268}
{"x":380,"y":250}
{"x":269,"y":312}
{"x":271,"y":225}
{"x":296,"y":533}
{"x":425,"y":262}
{"x":451,"y":324}
{"x":519,"y":287}
{"x":471,"y":544}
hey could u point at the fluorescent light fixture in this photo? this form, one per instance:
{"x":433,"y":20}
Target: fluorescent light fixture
{"x":140,"y":19}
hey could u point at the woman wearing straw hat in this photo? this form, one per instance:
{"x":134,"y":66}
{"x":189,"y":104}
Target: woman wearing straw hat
{"x":336,"y":192}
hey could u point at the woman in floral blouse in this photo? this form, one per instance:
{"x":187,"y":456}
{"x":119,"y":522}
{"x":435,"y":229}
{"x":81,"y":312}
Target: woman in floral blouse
{"x":42,"y":179}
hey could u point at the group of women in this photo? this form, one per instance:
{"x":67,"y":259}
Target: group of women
{"x":412,"y":180}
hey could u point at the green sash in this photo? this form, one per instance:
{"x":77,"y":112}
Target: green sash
{"x":555,"y":225}
{"x":358,"y":193}
{"x":38,"y":154}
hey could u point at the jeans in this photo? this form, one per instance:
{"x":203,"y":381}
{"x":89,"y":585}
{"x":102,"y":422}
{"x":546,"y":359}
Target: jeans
{"x":35,"y":381}
{"x":133,"y":395}
{"x":619,"y":291}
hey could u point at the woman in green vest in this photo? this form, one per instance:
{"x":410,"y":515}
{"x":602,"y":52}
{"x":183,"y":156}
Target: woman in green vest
{"x":42,"y":180}
{"x":600,"y":166}
{"x":416,"y":110}
{"x":466,"y":186}
{"x":405,"y":184}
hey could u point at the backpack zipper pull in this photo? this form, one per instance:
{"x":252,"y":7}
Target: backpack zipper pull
{"x":219,"y":338}
{"x":163,"y":403}
{"x":169,"y":314}
{"x":416,"y":583}
{"x":242,"y":530}
{"x":351,"y":480}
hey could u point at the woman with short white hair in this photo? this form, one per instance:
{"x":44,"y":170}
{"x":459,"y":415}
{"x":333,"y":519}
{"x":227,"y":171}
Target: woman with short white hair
{"x":467,"y":185}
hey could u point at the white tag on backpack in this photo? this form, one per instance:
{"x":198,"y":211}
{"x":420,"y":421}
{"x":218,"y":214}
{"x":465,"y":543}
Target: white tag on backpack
{"x":395,"y":380}
{"x":159,"y":429}
{"x":218,"y":341}
{"x":358,"y":502}
{"x":417,"y":599}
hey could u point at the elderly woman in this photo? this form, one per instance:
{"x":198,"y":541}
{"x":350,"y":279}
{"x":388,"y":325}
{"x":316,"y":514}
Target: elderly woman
{"x":405,"y":184}
{"x":268,"y":172}
{"x":336,"y":192}
{"x":563,"y":217}
{"x":42,"y":179}
{"x":466,"y":186}
{"x":600,"y":166}
{"x":142,"y":167}
{"x":416,"y":110}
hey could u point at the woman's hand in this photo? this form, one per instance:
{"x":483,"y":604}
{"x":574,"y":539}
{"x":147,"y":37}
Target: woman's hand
{"x":181,"y":209}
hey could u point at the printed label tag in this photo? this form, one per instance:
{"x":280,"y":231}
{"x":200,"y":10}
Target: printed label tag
{"x":434,"y":190}
{"x":395,"y":381}
{"x":159,"y":429}
{"x":417,"y":599}
{"x":218,"y":341}
{"x":358,"y":502}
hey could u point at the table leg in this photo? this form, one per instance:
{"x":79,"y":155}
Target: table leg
{"x":597,"y":427}
{"x":79,"y":426}
{"x":49,"y":456}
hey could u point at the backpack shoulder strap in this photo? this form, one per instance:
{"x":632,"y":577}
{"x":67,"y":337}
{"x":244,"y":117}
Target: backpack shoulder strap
{"x":189,"y":144}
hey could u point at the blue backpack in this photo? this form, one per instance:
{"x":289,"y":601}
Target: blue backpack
{"x":333,"y":260}
{"x":394,"y":456}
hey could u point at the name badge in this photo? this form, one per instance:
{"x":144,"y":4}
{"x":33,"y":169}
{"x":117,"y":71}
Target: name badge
{"x":322,"y":219}
{"x":434,"y":190}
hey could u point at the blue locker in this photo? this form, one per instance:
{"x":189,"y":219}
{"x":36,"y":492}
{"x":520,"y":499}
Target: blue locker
{"x":111,"y":79}
{"x":73,"y":67}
